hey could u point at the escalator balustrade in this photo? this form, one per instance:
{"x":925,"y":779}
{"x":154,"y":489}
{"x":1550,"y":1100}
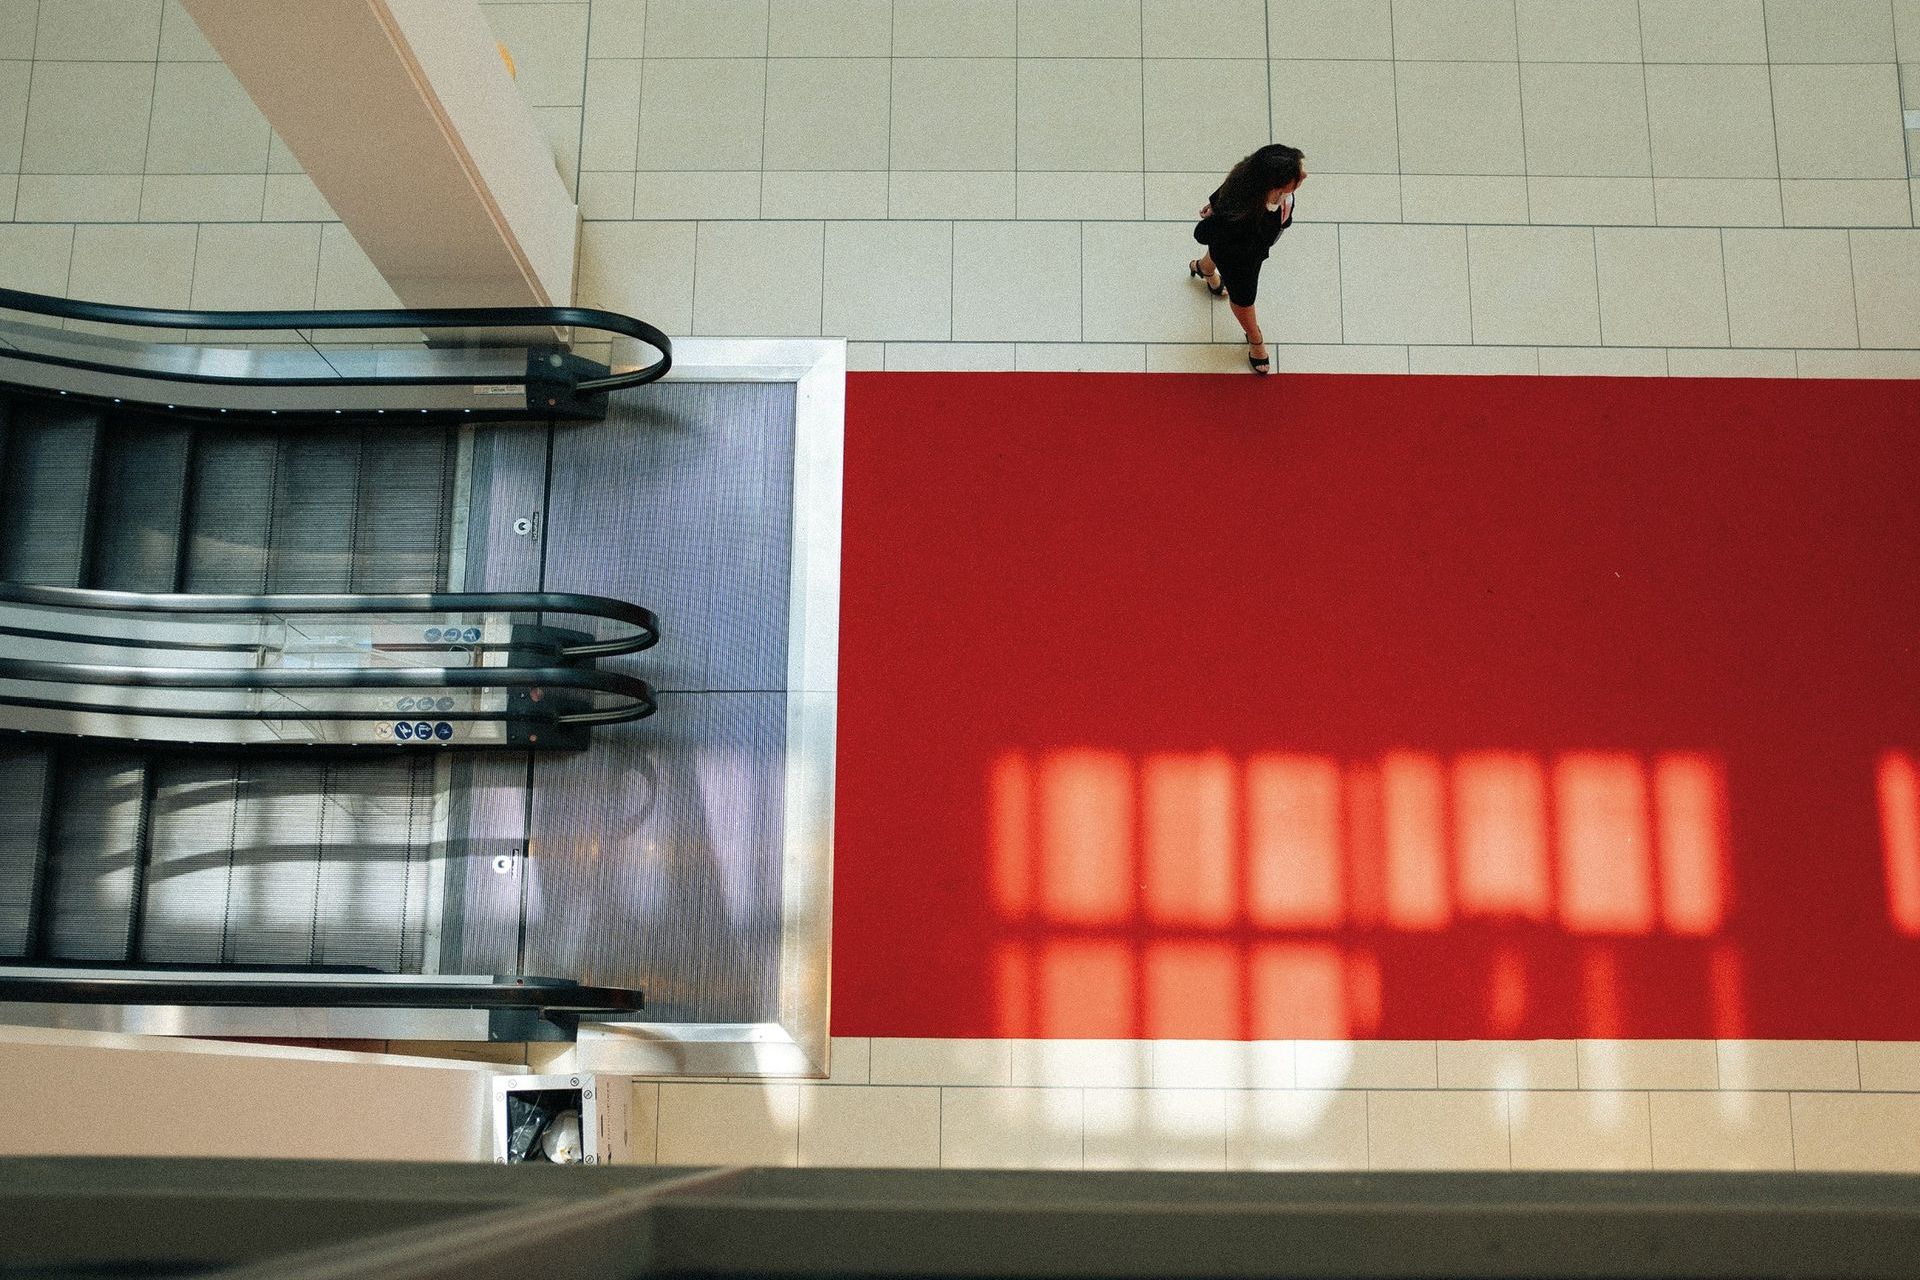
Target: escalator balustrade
{"x":206,"y":552}
{"x":316,"y":670}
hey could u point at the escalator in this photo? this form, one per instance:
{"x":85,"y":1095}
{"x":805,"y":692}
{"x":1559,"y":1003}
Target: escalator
{"x":233,"y":652}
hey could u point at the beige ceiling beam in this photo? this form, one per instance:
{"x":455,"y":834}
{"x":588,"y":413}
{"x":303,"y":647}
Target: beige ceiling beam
{"x":405,"y":117}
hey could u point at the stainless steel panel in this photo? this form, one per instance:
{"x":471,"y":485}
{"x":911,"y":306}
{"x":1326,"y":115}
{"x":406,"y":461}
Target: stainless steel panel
{"x":302,"y":1024}
{"x":656,"y":856}
{"x":682,"y":501}
{"x":485,"y":864}
{"x":656,"y":859}
{"x":506,"y":523}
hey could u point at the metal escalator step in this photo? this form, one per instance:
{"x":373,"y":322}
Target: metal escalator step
{"x":46,"y":493}
{"x":232,"y":510}
{"x":403,"y":532}
{"x":93,"y":856}
{"x":289,"y":861}
{"x":376,"y":829}
{"x":310,"y":547}
{"x":143,"y":477}
{"x":24,"y":775}
{"x":273,"y":897}
{"x":190,"y":867}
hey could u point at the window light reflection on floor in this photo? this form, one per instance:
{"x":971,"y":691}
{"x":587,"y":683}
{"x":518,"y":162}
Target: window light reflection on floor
{"x":1199,"y":895}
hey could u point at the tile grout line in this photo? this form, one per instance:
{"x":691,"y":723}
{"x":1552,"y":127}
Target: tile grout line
{"x":1266,"y":27}
{"x":1526,"y":157}
{"x":193,"y":268}
{"x":1726,"y":296}
{"x":26,"y":115}
{"x":766,"y":96}
{"x":639,"y":116}
{"x":1340,"y":278}
{"x":1466,"y":244}
{"x":1399,"y":156}
{"x":1599,"y":311}
{"x":1853,"y":279}
{"x":580,"y":136}
{"x":1773,"y":113}
{"x":1646,"y":113}
{"x":893,"y":69}
{"x":146,"y":150}
{"x":693,"y":287}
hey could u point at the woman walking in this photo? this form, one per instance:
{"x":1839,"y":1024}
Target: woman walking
{"x":1239,"y":225}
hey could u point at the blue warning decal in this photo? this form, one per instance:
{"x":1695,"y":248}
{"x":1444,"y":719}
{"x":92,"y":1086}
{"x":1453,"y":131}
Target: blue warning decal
{"x":403,"y":730}
{"x":443,"y":731}
{"x":422,"y":730}
{"x":405,"y":704}
{"x":470,"y":635}
{"x":445,"y":704}
{"x":434,"y":633}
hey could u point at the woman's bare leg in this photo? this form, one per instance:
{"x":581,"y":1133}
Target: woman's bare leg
{"x":1256,"y":343}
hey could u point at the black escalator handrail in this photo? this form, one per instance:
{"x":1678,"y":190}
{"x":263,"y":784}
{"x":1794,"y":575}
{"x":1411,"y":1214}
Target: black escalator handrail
{"x":86,"y":986}
{"x":641,"y":701}
{"x":433,"y":318}
{"x":646,"y":626}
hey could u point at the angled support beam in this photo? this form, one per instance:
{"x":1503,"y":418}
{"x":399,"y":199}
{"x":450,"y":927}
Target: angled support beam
{"x":404,"y":116}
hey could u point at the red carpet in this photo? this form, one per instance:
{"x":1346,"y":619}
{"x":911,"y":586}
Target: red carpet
{"x":1379,"y":707}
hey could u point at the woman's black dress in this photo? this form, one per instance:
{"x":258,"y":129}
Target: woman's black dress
{"x":1239,"y":245}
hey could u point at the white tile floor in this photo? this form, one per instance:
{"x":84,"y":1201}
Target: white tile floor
{"x":1538,"y":186}
{"x":1617,"y":187}
{"x":1311,"y":1105}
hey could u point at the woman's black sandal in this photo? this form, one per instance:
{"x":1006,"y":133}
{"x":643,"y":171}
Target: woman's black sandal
{"x":1262,"y":365}
{"x":1218,"y":291}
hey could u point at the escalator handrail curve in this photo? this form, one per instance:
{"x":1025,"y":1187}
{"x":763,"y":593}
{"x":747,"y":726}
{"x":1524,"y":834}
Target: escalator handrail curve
{"x":641,"y":700}
{"x":646,"y":626}
{"x":433,"y":318}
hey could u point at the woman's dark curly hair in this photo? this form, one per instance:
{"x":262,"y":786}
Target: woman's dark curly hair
{"x":1244,"y":193}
